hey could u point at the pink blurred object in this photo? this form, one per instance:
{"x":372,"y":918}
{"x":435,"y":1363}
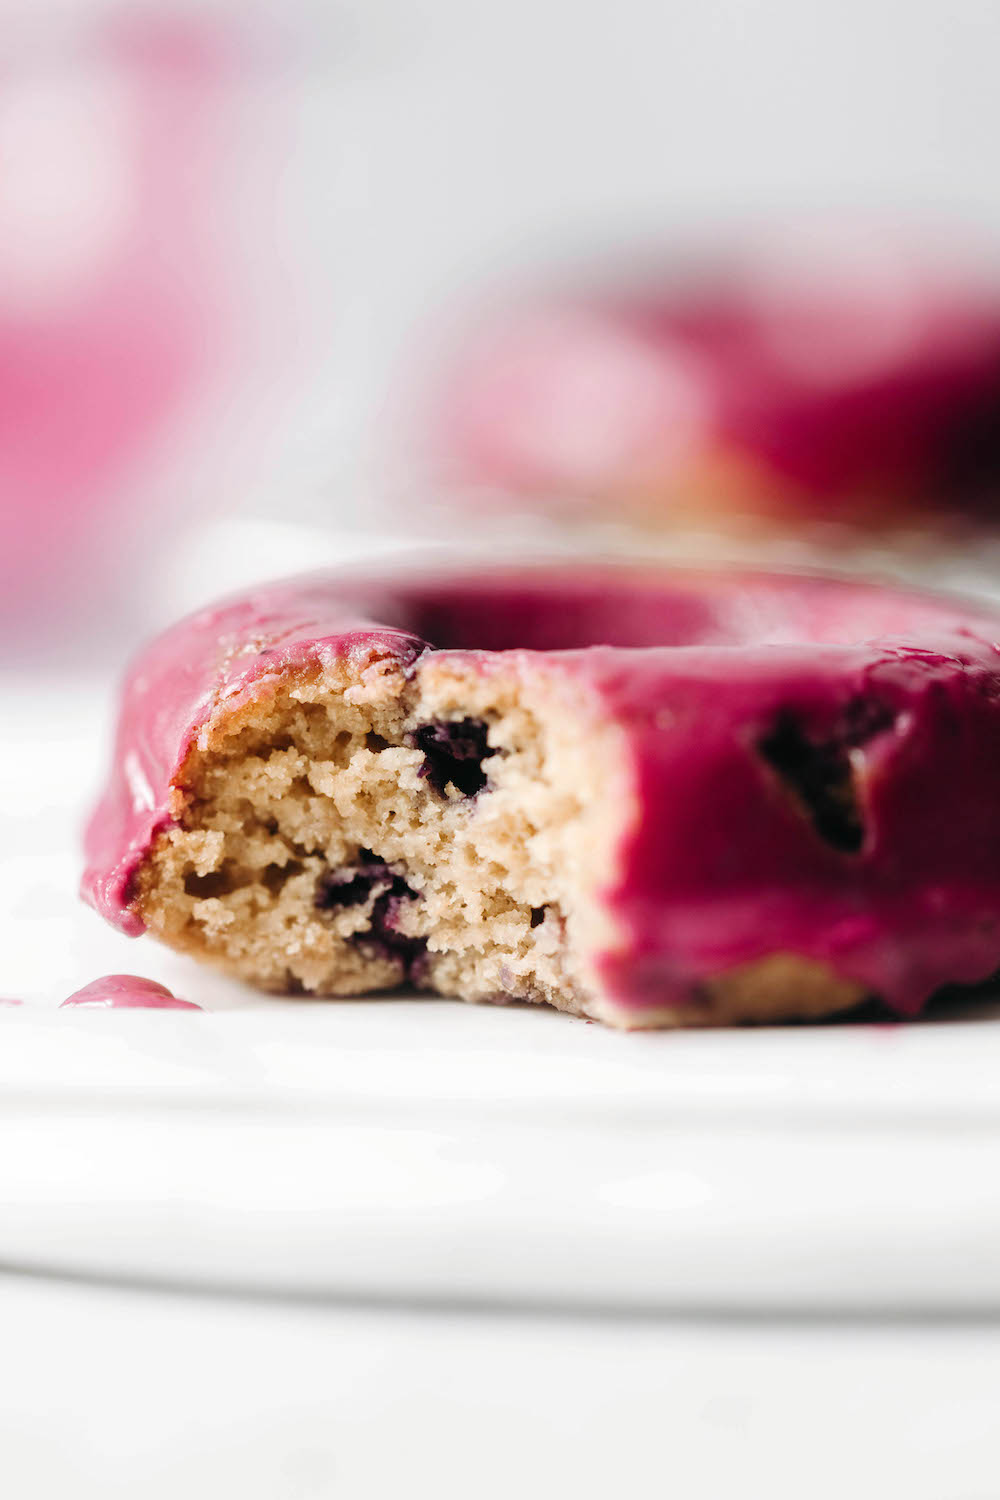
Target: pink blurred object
{"x":114,"y":307}
{"x":854,"y":380}
{"x":127,"y":992}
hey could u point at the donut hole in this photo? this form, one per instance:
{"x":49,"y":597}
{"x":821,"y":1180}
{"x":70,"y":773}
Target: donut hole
{"x":565,"y":615}
{"x":361,"y":828}
{"x":639,"y":609}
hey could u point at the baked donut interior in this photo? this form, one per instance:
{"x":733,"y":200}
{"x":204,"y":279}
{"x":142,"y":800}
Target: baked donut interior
{"x":361,"y":828}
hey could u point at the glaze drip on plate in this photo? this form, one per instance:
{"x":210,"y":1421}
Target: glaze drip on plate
{"x":126,"y":992}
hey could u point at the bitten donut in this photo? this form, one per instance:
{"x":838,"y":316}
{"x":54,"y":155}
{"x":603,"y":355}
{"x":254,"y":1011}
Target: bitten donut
{"x":656,"y":798}
{"x":737,"y":395}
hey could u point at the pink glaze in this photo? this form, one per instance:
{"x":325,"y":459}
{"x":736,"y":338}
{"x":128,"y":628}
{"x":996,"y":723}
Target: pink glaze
{"x":845,"y":398}
{"x":721,"y":864}
{"x":127,"y":992}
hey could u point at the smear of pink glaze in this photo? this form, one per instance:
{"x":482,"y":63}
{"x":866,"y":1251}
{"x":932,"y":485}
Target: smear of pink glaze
{"x":126,"y":992}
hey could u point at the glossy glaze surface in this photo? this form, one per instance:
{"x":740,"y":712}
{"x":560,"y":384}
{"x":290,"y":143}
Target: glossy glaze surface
{"x":126,"y":992}
{"x":813,"y":763}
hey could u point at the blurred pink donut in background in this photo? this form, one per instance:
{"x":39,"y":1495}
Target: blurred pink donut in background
{"x":113,"y":304}
{"x":847,"y":378}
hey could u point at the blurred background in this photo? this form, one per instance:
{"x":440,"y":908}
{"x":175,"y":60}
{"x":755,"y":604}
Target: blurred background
{"x":242,"y":247}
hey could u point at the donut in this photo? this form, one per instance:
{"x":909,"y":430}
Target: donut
{"x":736,"y":396}
{"x":647,"y":796}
